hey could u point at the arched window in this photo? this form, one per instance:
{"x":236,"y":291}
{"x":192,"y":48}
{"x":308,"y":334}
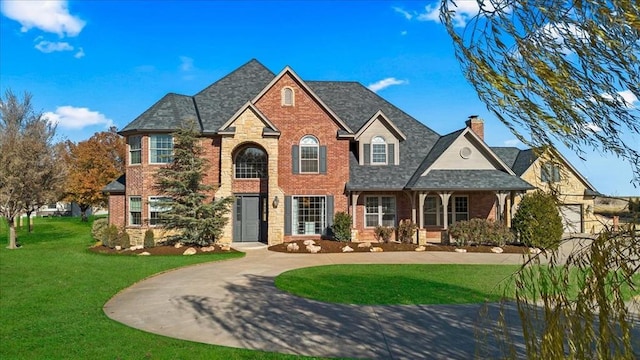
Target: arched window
{"x":251,"y":163}
{"x":378,"y":150}
{"x":287,"y":96}
{"x":309,"y":154}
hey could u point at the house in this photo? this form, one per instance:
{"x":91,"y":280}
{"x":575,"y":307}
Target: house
{"x":294,"y":152}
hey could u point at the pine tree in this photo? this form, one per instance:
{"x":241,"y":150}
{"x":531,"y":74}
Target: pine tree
{"x":196,"y":220}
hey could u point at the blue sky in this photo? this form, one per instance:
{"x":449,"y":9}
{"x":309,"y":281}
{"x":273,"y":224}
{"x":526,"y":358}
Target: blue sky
{"x":92,"y":64}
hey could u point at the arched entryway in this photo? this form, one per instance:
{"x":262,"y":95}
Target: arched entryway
{"x":250,"y":188}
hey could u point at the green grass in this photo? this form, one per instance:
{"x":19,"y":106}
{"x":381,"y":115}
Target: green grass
{"x":399,"y":284}
{"x":52,"y":291}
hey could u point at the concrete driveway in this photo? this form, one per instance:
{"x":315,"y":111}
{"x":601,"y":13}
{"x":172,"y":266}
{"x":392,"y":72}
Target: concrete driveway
{"x":235,"y":303}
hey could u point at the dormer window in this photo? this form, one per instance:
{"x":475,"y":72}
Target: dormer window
{"x":378,"y":151}
{"x":287,"y":96}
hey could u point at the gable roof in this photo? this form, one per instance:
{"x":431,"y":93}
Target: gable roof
{"x":385,"y":120}
{"x":116,"y":186}
{"x":269,"y":127}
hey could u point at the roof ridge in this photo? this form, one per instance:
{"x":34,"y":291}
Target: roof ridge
{"x":252,"y":61}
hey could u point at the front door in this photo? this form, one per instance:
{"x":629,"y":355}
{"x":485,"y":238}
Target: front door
{"x":247,"y":220}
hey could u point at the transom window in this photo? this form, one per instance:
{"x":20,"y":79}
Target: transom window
{"x":251,"y":163}
{"x":135,"y":210}
{"x":157,"y":205}
{"x":160,"y":149}
{"x":135,"y":149}
{"x":457,"y":210}
{"x":309,"y":154}
{"x":287,"y":96}
{"x":308,"y":215}
{"x":380,"y":210}
{"x":378,"y":150}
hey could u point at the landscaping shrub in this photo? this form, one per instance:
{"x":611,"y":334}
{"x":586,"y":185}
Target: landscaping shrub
{"x":98,"y":228}
{"x":342,"y":226}
{"x":124,"y":239}
{"x":149,"y":241}
{"x":406,"y":230}
{"x":111,"y":236}
{"x":537,"y":222}
{"x":480,"y":231}
{"x":383,"y":233}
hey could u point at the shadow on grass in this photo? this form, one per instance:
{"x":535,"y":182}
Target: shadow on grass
{"x":259,"y":316}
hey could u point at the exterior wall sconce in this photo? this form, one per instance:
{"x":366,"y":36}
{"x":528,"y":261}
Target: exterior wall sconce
{"x":275,"y":202}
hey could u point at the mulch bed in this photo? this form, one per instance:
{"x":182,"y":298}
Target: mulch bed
{"x":157,"y":250}
{"x":330,"y":246}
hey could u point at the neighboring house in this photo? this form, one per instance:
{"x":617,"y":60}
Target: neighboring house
{"x":295,"y":152}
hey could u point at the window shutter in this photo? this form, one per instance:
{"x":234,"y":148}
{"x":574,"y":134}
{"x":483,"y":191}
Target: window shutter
{"x":328,"y":232}
{"x":367,"y":154}
{"x":295,"y":159}
{"x":287,"y":215}
{"x":323,"y":159}
{"x":391,"y":159}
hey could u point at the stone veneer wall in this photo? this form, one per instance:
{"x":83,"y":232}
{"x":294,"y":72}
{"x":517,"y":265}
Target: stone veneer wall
{"x":249,"y":131}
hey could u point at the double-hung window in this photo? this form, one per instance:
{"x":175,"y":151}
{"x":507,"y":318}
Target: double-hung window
{"x":135,"y":149}
{"x":433,"y":212}
{"x":378,"y":150}
{"x":380,"y":210}
{"x":308,"y":215}
{"x":157,"y":205}
{"x":135,"y":210}
{"x":309,"y":154}
{"x":550,"y":172}
{"x":160,"y":149}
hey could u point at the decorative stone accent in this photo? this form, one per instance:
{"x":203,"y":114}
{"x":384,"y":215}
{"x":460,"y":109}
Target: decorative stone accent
{"x":497,"y":250}
{"x":144,"y":254}
{"x":376,"y":249}
{"x":136,"y":247}
{"x":293,"y":247}
{"x":461,"y":250}
{"x":313,"y":248}
{"x":189,"y":251}
{"x":208,"y":248}
{"x":177,"y":245}
{"x":309,"y":242}
{"x":225,"y":247}
{"x":118,"y":247}
{"x":364,"y":245}
{"x":347,"y":249}
{"x":534,"y":251}
{"x":421,"y":248}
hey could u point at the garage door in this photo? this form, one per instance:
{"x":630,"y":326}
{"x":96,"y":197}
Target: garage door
{"x":571,"y":218}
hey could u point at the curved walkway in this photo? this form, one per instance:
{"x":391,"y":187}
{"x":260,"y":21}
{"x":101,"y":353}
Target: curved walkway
{"x":235,"y":303}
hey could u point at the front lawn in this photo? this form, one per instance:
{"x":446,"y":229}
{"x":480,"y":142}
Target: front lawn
{"x":52,"y":291}
{"x":399,"y":284}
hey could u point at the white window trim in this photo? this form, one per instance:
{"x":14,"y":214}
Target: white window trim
{"x":379,"y":140}
{"x":317,"y":147}
{"x":283,"y":98}
{"x":129,"y":210}
{"x":440,"y":209}
{"x":294,"y":215}
{"x":380,"y":213}
{"x":150,"y":150}
{"x":137,"y":150}
{"x":151,"y":208}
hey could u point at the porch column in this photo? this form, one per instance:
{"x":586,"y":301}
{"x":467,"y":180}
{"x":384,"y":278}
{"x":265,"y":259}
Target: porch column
{"x":354,"y":204}
{"x":421,"y":197}
{"x":502,"y":199}
{"x":412,"y":199}
{"x":444,"y":198}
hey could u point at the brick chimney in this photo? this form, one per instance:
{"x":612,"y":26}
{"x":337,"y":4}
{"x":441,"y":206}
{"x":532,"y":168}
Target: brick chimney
{"x":477,"y":125}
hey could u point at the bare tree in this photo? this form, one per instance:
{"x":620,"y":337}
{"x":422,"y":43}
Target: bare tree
{"x":27,"y":158}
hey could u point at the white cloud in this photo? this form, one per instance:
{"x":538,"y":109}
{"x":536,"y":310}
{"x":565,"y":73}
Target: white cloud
{"x":385,"y":83}
{"x":513,"y":142}
{"x":49,"y":16}
{"x":186,"y":63}
{"x":79,"y":54}
{"x":628,"y":97}
{"x":592,"y":127}
{"x":49,"y":47}
{"x":464,"y":11}
{"x":77,"y":117}
{"x":403,"y":33}
{"x":407,"y":15}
